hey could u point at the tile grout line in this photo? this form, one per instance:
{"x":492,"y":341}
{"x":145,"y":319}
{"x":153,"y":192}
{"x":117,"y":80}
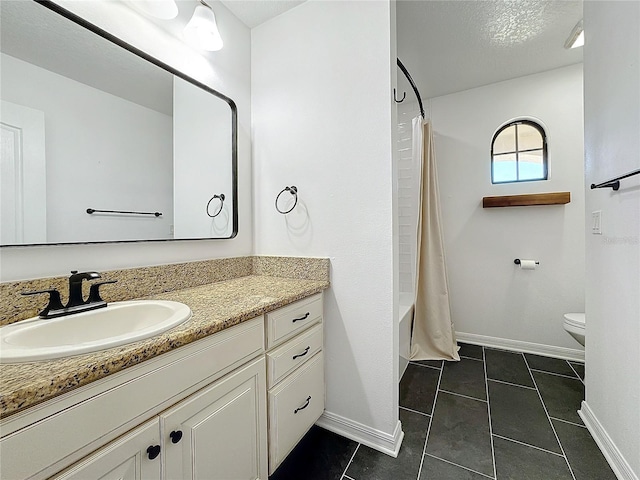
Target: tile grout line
{"x":460,"y":466}
{"x":347,"y":477}
{"x":549,"y":417}
{"x":433,"y":409}
{"x":577,"y":377}
{"x":426,"y":366}
{"x":486,"y":386}
{"x":576,"y":372}
{"x":528,"y":445}
{"x":509,"y":383}
{"x":461,"y":395}
{"x":414,"y":411}
{"x":344,"y":474}
{"x":471,"y":358}
{"x":567,"y":421}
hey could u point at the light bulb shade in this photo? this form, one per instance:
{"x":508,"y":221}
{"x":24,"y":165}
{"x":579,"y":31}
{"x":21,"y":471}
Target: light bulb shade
{"x":163,"y":9}
{"x":202,"y":30}
{"x":576,"y":37}
{"x":579,"y":41}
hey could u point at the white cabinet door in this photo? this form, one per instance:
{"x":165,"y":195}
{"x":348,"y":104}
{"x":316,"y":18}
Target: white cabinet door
{"x":126,"y":458}
{"x":219,"y":433}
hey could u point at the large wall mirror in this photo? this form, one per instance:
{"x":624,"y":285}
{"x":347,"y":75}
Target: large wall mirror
{"x":103,"y":143}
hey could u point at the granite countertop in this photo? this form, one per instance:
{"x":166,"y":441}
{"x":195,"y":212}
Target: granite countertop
{"x":214,"y":307}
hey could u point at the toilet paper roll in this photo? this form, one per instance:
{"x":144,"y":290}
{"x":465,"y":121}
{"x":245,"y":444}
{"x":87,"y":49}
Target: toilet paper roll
{"x":528,"y":264}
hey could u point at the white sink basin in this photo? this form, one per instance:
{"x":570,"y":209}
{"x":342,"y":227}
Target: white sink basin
{"x":117,"y":324}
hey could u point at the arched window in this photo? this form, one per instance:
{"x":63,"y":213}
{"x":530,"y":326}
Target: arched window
{"x":519,"y":153}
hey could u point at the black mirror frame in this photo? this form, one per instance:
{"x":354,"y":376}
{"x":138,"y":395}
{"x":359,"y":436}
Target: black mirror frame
{"x":234,"y":125}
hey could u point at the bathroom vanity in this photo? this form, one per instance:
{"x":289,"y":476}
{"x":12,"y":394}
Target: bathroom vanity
{"x":228,"y":393}
{"x":231,"y":402}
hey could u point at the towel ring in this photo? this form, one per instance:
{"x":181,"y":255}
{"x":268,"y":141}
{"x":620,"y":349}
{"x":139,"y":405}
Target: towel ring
{"x":221,"y":197}
{"x":293,"y":190}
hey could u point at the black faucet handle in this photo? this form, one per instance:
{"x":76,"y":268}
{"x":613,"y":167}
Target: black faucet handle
{"x":55,"y":303}
{"x":75,"y":275}
{"x":94,"y":291}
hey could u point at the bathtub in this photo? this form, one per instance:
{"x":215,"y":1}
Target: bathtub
{"x":405,"y":315}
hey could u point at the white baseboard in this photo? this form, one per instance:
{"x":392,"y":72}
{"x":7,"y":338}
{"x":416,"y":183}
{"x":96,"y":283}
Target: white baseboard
{"x":383,"y":442}
{"x":520,"y":346}
{"x":616,"y":460}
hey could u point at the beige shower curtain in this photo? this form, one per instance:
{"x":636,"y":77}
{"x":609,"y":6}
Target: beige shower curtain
{"x":433,"y":336}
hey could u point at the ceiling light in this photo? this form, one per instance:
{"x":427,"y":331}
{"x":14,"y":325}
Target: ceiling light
{"x":164,"y":9}
{"x":576,"y":38}
{"x":202,"y":30}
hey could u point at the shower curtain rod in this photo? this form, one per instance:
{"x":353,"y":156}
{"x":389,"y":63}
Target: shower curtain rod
{"x":413,"y":85}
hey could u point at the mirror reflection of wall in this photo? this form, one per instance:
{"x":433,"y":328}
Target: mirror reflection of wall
{"x":102,"y":151}
{"x":98,"y":131}
{"x":198,"y":131}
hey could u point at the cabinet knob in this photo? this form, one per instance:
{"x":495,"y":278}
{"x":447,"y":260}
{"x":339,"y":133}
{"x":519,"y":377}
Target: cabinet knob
{"x":176,"y":436}
{"x":153,"y":451}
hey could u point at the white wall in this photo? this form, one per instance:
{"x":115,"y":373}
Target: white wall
{"x":227,"y":71}
{"x":612,"y":148}
{"x":489,"y":295}
{"x":323,"y":113}
{"x":88,"y":153}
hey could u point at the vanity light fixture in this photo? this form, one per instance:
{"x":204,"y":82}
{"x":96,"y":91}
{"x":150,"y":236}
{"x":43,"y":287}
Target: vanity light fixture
{"x":576,"y":37}
{"x":202,"y":30}
{"x":163,"y":9}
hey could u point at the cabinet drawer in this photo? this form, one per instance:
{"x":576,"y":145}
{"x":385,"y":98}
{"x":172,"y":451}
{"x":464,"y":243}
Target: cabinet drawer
{"x":294,"y":406}
{"x":288,"y":321}
{"x":289,"y":356}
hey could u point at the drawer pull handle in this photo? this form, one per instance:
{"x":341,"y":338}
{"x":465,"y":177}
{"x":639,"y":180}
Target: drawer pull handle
{"x":304,"y":406}
{"x":153,"y":451}
{"x":306,"y":350}
{"x":176,"y":436}
{"x":301,"y":318}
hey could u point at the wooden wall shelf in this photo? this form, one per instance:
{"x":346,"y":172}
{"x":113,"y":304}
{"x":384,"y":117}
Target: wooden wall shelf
{"x":554,"y":198}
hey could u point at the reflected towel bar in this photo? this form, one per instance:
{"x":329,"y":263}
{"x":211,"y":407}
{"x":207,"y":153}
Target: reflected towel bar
{"x":615,"y":182}
{"x":93,"y":210}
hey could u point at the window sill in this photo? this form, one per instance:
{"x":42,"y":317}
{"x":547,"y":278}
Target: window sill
{"x":554,"y":198}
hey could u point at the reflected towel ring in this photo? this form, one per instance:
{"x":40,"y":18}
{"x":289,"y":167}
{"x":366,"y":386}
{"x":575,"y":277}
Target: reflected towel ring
{"x":221,"y":197}
{"x":294,"y":191}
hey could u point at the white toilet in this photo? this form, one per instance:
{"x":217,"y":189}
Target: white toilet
{"x":574,"y":323}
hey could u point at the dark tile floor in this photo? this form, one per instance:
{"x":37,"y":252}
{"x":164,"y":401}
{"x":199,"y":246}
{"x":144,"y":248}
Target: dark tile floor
{"x":494,"y":414}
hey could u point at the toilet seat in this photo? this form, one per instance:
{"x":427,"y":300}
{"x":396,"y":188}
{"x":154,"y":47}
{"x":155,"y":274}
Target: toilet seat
{"x":575,"y":320}
{"x":574,"y":324}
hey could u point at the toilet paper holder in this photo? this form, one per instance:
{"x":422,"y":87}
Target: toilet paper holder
{"x":517,"y":262}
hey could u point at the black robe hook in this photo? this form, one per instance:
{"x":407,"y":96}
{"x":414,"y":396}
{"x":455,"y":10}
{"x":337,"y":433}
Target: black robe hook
{"x":404,"y":95}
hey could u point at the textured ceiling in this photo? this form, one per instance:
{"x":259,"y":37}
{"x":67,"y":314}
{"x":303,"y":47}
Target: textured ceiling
{"x":453,"y":45}
{"x":450,"y":46}
{"x":254,"y":12}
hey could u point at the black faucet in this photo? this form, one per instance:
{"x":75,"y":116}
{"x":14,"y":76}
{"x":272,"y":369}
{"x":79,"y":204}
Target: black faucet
{"x":75,"y":287}
{"x":76,"y":303}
